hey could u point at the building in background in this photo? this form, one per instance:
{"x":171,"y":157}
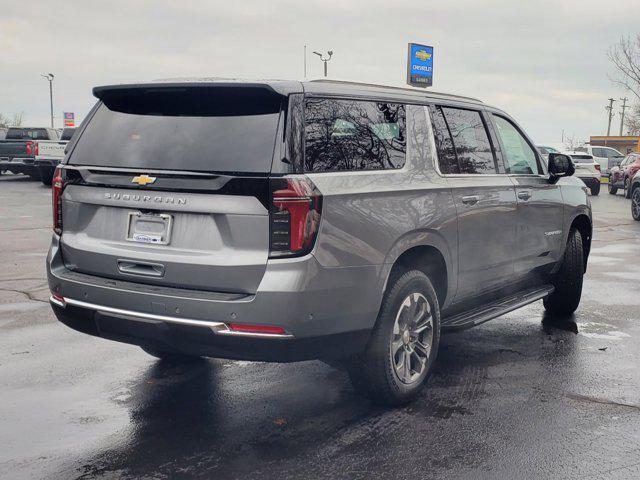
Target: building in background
{"x":624,"y":144}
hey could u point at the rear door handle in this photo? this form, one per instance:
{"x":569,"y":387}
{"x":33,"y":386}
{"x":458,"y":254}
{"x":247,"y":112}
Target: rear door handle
{"x":470,"y":199}
{"x":524,"y":194}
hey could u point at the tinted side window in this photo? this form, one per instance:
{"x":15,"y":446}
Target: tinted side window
{"x":470,"y":140}
{"x":345,"y":135}
{"x":599,"y":152}
{"x":519,"y":157}
{"x":447,"y":159}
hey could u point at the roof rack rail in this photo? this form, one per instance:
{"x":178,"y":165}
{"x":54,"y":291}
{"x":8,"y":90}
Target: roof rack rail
{"x":404,"y":89}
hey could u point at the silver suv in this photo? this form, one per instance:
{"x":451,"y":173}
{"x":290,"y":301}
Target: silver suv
{"x":284,"y":221}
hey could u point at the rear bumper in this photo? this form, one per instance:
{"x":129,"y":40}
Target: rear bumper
{"x":47,"y":162}
{"x":18,"y":165}
{"x":203,"y":340}
{"x":326,"y":312}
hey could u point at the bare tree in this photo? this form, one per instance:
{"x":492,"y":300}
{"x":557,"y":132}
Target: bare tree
{"x":632,"y":120}
{"x":15,"y":121}
{"x":570,"y":143}
{"x":625,"y":56}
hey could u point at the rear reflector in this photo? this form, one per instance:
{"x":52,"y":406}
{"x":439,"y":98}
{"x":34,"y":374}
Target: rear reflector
{"x":295,"y":216}
{"x":263,"y":329}
{"x":58,"y":299}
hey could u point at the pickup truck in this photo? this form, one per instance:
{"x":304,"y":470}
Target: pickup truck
{"x":49,"y":153}
{"x":17,"y":150}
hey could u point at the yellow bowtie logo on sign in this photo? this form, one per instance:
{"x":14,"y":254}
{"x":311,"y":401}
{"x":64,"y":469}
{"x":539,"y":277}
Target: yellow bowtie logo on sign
{"x":423,"y":55}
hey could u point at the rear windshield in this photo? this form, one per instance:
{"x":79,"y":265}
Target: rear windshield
{"x":582,"y":158}
{"x":67,"y":133}
{"x":27,"y":134}
{"x":200,"y":129}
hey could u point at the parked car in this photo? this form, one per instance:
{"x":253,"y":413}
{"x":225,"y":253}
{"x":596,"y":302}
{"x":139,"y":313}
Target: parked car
{"x":606,"y":157}
{"x":17,"y":150}
{"x":635,"y":197}
{"x":49,"y":153}
{"x":284,"y":221}
{"x":621,"y":175}
{"x":587,"y":170}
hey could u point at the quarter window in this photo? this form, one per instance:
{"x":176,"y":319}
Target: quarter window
{"x":519,"y":157}
{"x":447,"y":159}
{"x":347,"y":135}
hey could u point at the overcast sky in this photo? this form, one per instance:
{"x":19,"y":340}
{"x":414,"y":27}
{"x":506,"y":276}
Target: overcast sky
{"x":543,"y":61}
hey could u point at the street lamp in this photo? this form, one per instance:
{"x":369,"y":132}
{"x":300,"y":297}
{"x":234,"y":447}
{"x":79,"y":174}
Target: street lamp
{"x":49,"y":78}
{"x":325,"y":60}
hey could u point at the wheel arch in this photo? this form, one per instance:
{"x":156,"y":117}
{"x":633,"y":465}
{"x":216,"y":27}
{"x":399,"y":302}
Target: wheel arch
{"x":427,"y":252}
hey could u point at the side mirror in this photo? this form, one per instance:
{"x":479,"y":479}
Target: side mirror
{"x":560,"y":165}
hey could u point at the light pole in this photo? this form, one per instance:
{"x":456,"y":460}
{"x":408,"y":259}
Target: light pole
{"x":325,"y":60}
{"x":49,"y":78}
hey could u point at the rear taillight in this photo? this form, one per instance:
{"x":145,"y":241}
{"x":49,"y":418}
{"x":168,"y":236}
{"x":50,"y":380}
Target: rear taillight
{"x":598,"y":166}
{"x":29,"y":147}
{"x":37,"y":149}
{"x":296,"y":205}
{"x":57,"y":186}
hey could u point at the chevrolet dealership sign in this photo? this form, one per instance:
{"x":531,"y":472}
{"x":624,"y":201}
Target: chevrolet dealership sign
{"x":420,"y":65}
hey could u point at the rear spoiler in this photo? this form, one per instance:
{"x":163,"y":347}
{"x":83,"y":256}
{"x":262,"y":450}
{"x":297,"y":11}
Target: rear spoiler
{"x":278,"y":87}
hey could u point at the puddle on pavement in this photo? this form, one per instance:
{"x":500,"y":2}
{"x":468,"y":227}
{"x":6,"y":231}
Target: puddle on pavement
{"x":601,"y":331}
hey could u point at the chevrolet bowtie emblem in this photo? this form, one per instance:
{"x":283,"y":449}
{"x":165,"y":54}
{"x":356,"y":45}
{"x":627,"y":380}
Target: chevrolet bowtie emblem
{"x":143,"y":180}
{"x":423,"y":55}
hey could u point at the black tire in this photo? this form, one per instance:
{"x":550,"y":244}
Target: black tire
{"x":375,"y":371}
{"x":595,"y":190}
{"x":627,"y":184}
{"x":34,"y":175}
{"x":171,"y":356}
{"x":635,"y":203}
{"x":568,"y":280}
{"x":46,"y":175}
{"x":612,"y":190}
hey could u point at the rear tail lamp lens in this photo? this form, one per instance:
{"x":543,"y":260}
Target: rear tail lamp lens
{"x":597,"y":166}
{"x":57,"y":186}
{"x":295,"y":216}
{"x":29,"y":147}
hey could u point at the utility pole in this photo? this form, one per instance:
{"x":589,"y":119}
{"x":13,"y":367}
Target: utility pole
{"x":305,"y":62}
{"x":325,"y":60}
{"x":49,"y":78}
{"x":610,"y":109}
{"x":624,"y":107}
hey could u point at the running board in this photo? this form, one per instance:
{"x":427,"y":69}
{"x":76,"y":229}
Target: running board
{"x":495,"y":309}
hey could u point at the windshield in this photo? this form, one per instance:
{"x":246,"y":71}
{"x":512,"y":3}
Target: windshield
{"x":202,"y":130}
{"x":582,"y":158}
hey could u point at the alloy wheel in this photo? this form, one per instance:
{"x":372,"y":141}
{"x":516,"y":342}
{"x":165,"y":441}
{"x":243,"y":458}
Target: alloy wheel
{"x":412,"y":339}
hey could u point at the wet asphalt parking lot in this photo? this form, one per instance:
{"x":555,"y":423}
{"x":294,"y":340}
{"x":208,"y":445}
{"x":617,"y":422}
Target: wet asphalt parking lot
{"x":517,"y":397}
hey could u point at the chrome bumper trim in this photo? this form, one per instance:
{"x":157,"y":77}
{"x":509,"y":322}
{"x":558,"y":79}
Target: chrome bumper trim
{"x":217,"y":327}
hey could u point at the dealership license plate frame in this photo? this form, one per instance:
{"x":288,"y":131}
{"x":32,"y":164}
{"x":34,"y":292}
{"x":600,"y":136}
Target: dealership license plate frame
{"x":147,"y":237}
